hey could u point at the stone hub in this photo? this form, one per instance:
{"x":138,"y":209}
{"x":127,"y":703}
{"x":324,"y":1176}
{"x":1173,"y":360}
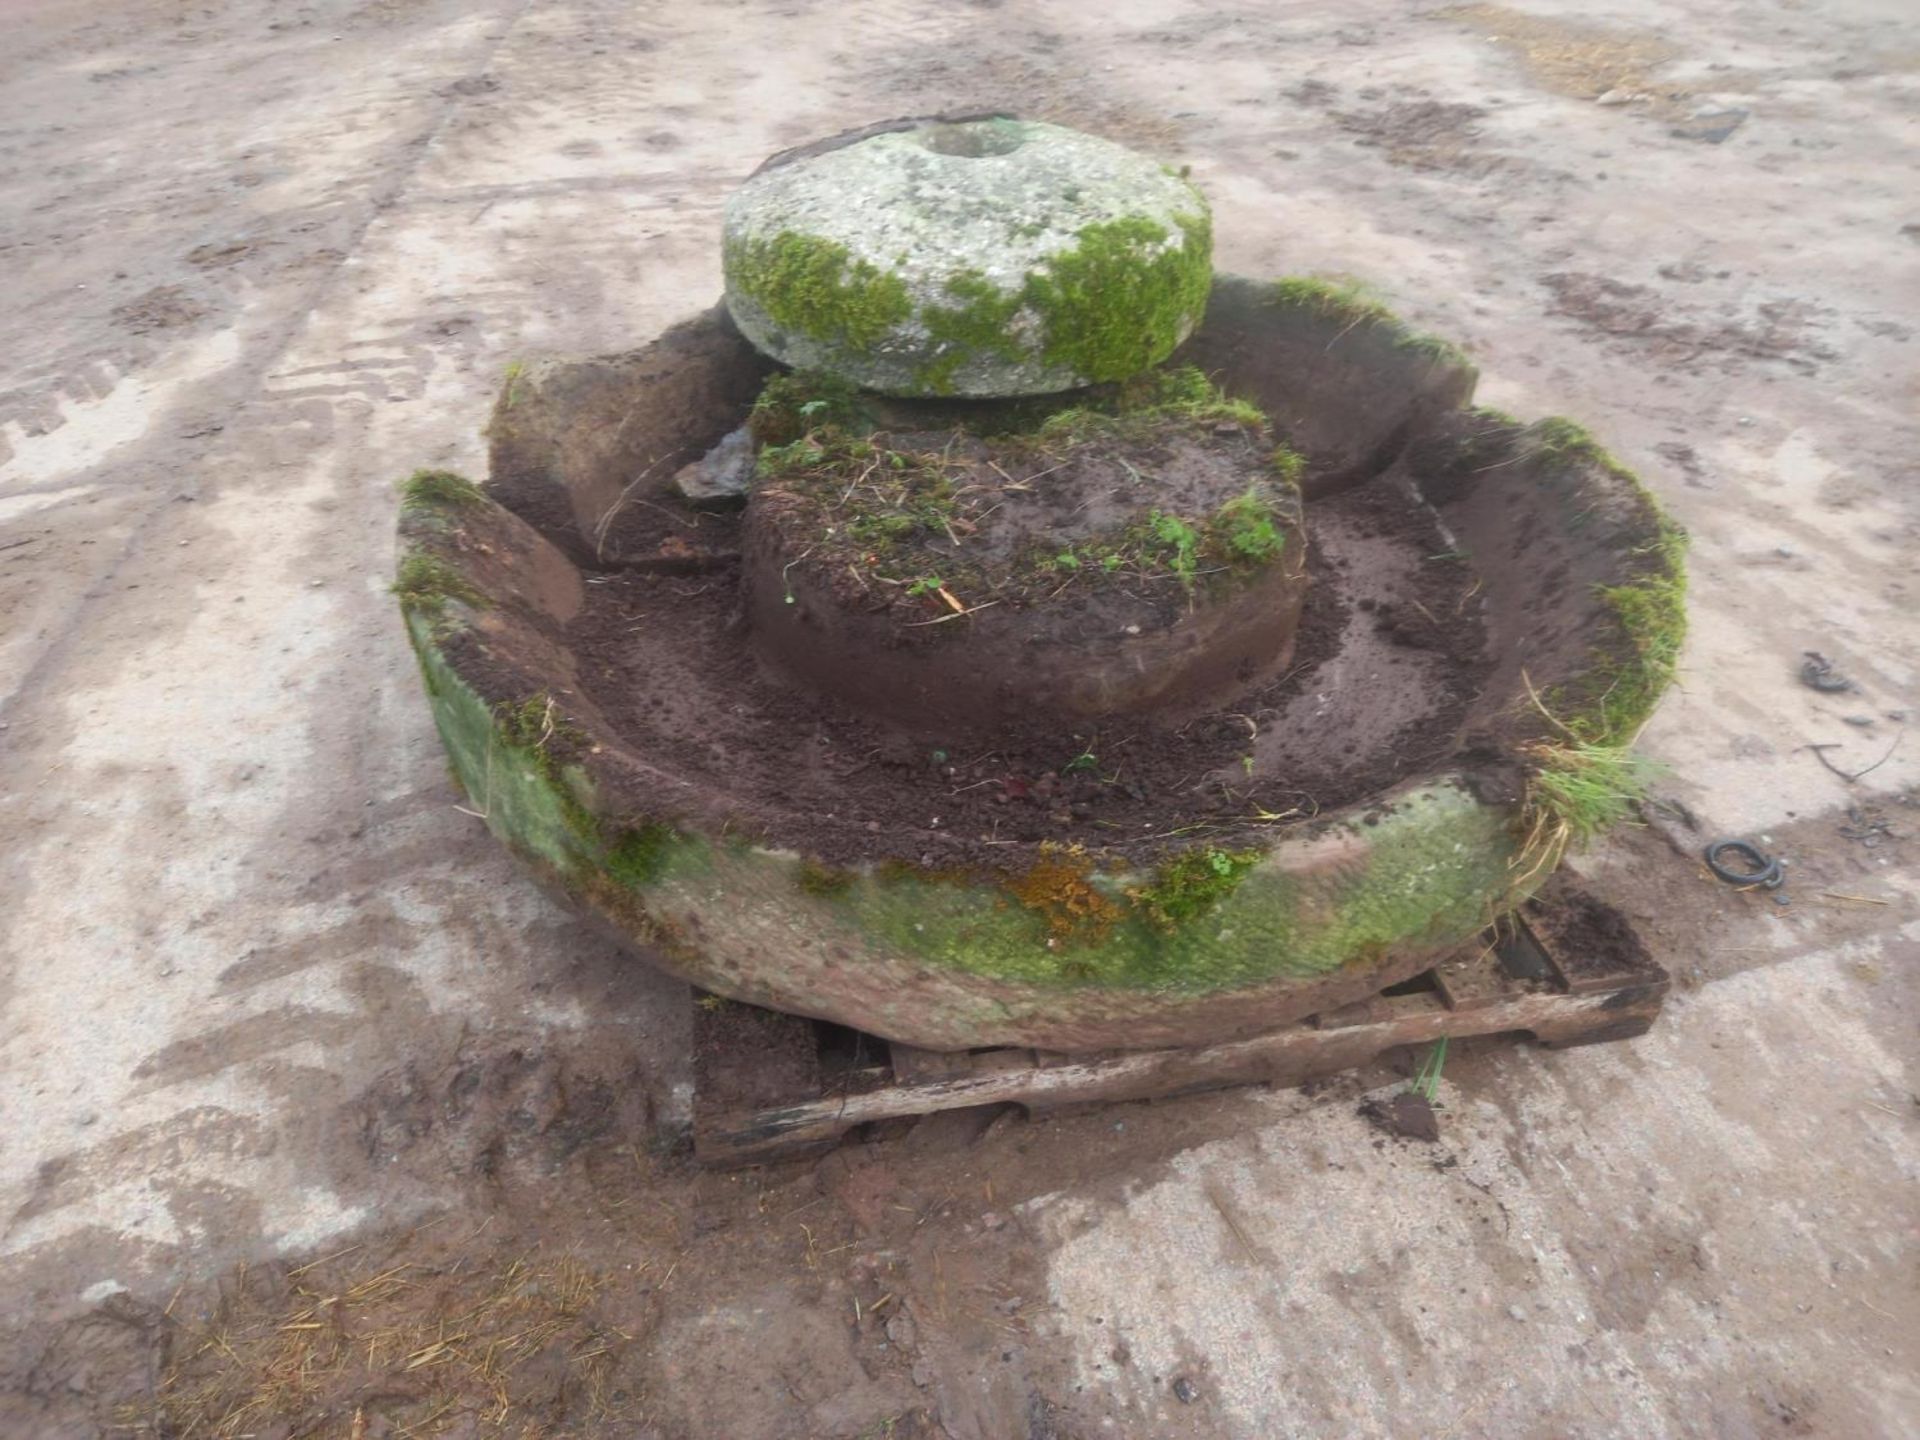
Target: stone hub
{"x":1100,"y":564}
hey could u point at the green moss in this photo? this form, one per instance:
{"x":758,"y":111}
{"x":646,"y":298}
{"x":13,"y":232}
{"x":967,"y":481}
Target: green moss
{"x":816,"y":288}
{"x":510,"y":760}
{"x":636,"y":857}
{"x":814,"y":878}
{"x":979,"y":324}
{"x":1289,"y":464}
{"x":429,"y":490}
{"x":1188,"y":885}
{"x":1143,"y":404}
{"x":1431,"y":871}
{"x":1633,"y":669}
{"x":1652,"y":615}
{"x":425,"y":583}
{"x":1124,"y":297}
{"x":792,"y":403}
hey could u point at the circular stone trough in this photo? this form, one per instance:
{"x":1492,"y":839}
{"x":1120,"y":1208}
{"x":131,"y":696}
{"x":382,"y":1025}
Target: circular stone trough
{"x":630,"y":701}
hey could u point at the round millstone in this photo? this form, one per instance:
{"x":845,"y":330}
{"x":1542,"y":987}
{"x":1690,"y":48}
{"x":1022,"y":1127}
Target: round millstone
{"x":975,"y":258}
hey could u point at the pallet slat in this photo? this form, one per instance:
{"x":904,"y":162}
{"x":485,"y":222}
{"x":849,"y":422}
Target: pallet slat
{"x":1486,"y":991}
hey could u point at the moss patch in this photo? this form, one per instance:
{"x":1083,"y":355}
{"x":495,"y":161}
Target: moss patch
{"x":1188,"y":885}
{"x":1124,"y":296}
{"x":510,"y":759}
{"x":815,"y":287}
{"x":432,"y":490}
{"x":1633,"y":669}
{"x":425,"y":583}
{"x":978,"y":323}
{"x":1430,"y":871}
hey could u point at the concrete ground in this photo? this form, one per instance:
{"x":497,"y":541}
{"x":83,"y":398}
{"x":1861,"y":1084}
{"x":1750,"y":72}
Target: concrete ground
{"x":268,"y":993}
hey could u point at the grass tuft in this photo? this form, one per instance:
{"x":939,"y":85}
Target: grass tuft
{"x":1649,"y":610}
{"x":1354,"y":303}
{"x":438,"y":490}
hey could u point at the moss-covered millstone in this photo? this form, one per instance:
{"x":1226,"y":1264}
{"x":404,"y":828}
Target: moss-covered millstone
{"x":1209,"y":927}
{"x":1066,"y":950}
{"x":1117,"y":560}
{"x":983,"y":258}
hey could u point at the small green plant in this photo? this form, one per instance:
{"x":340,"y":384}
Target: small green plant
{"x":1066,"y":560}
{"x":1426,"y":1080}
{"x":1177,"y":545}
{"x":794,"y":402}
{"x":1085,"y":760}
{"x":925,"y":585}
{"x":1288,"y":463}
{"x":777,"y":460}
{"x":1247,"y":529}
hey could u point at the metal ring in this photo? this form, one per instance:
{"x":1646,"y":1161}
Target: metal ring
{"x":1765,"y":871}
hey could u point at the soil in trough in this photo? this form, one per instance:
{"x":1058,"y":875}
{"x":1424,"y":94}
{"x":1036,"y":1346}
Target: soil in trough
{"x":1390,"y":657}
{"x":1142,"y":563}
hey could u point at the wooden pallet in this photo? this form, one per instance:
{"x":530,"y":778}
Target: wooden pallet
{"x":1525,"y":978}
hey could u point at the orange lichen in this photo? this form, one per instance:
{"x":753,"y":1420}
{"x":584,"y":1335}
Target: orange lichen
{"x":1058,"y":887}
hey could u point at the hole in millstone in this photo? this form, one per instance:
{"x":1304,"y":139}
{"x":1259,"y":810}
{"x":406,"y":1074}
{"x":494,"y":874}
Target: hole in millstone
{"x":973,"y":140}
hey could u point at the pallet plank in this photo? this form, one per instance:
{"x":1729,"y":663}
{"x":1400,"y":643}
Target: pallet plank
{"x":1286,"y":1057}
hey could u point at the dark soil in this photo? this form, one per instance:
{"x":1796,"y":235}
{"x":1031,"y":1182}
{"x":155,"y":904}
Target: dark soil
{"x":992,"y":519}
{"x":1406,"y":1116}
{"x":1590,"y":936}
{"x":1146,"y":564}
{"x":1390,"y":658}
{"x":786,"y":1055}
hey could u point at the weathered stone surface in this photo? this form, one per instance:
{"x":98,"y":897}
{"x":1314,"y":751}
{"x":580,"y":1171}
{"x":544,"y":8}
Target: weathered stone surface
{"x":1331,"y":910}
{"x":985,"y":257}
{"x":720,"y":478}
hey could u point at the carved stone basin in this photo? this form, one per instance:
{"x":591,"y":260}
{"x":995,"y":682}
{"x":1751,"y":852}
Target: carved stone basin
{"x":1490,"y":607}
